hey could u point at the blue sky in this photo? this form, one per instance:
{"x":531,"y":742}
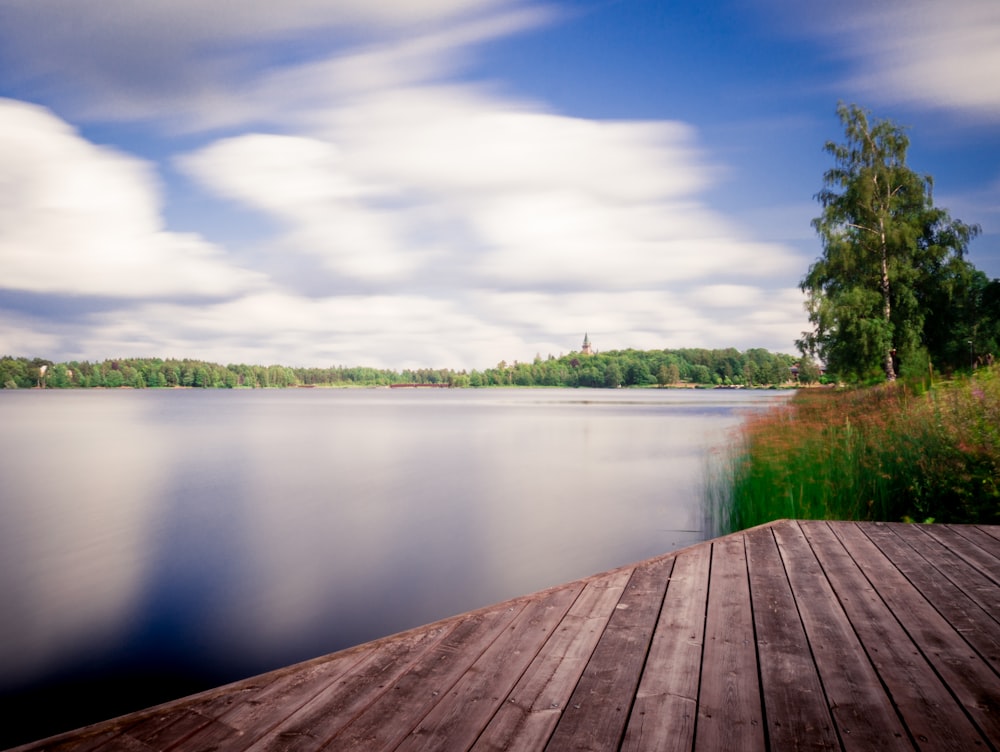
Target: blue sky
{"x":449,"y":183}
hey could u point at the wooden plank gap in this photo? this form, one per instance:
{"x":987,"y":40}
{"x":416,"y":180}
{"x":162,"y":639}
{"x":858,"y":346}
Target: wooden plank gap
{"x":950,"y":537}
{"x":473,"y":701}
{"x":387,"y":722}
{"x":965,"y":576}
{"x":599,"y":707}
{"x":796,"y":707}
{"x":167,"y":730}
{"x":533,"y":708}
{"x":665,"y":709}
{"x":701,"y":665}
{"x":981,"y":549}
{"x":991,"y":530}
{"x":255,"y":706}
{"x":929,"y":711}
{"x":757,"y":639}
{"x":345,"y":699}
{"x":730,"y":713}
{"x":970,"y":681}
{"x":863,"y":713}
{"x":946,"y":587}
{"x":666,"y":573}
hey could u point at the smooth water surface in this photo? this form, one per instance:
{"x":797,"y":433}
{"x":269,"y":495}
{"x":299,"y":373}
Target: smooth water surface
{"x":154,"y":543}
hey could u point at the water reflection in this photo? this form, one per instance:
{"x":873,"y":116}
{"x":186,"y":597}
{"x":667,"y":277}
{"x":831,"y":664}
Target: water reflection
{"x":77,"y":499}
{"x":165,"y":541}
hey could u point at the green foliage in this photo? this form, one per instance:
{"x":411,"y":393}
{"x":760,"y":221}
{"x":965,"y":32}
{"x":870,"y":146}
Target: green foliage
{"x":892,"y":280}
{"x":14,"y":373}
{"x":635,"y":368}
{"x":889,"y":452}
{"x":688,"y":367}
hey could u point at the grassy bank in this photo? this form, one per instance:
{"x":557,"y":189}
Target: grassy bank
{"x":880,"y":453}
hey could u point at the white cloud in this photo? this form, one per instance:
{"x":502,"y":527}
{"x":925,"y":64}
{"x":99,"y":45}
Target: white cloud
{"x":943,"y":55}
{"x":497,"y":193}
{"x":451,"y":138}
{"x":22,"y":334}
{"x":726,"y":296}
{"x":649,"y":319}
{"x":305,"y":183}
{"x":473,"y":330}
{"x":311,"y":86}
{"x":179,"y":62}
{"x":83,"y":219}
{"x":541,"y":198}
{"x":924,"y":52}
{"x":453,"y":225}
{"x":576,"y":241}
{"x":390,"y":331}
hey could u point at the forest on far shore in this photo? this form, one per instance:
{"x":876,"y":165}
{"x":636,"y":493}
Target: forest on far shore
{"x":612,"y":369}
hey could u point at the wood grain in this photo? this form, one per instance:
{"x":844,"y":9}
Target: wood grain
{"x":790,"y":636}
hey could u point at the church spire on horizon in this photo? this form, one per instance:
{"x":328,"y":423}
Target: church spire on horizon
{"x":586,"y":349}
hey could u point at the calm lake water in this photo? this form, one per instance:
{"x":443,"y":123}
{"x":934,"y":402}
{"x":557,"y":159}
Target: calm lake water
{"x":155,"y":543}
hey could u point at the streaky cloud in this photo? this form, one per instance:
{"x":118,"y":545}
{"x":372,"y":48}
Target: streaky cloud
{"x":86,"y":219}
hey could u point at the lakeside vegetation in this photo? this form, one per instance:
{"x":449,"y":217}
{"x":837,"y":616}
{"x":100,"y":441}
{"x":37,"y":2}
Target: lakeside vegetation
{"x":891,"y":299}
{"x":612,"y":369}
{"x":893,"y":452}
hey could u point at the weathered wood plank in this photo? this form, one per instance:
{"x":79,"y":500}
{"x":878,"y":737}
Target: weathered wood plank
{"x":534,"y":706}
{"x":993,"y":531}
{"x":972,"y":544}
{"x":988,"y":539}
{"x":863,"y":714}
{"x":597,"y":712}
{"x":730,"y":715}
{"x":457,"y":721}
{"x":820,"y":635}
{"x":245,"y":711}
{"x":970,"y":680}
{"x":124,"y":743}
{"x":930,"y":713}
{"x":386,"y":722}
{"x":333,"y":707}
{"x":663,"y":716}
{"x":795,"y":705}
{"x":84,"y":740}
{"x":211,"y":735}
{"x":945,"y":586}
{"x":167,"y":730}
{"x":983,"y":591}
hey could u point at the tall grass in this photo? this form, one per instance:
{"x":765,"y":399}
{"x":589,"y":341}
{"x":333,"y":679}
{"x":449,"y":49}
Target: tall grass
{"x":892,"y":452}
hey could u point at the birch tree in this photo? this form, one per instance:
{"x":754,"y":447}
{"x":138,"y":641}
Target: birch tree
{"x":889,"y":254}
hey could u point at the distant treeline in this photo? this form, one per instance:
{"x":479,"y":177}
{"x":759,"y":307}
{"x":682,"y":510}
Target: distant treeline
{"x":616,"y":368}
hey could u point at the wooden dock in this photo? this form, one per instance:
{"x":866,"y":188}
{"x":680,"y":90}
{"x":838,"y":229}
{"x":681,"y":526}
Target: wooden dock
{"x":793,"y":635}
